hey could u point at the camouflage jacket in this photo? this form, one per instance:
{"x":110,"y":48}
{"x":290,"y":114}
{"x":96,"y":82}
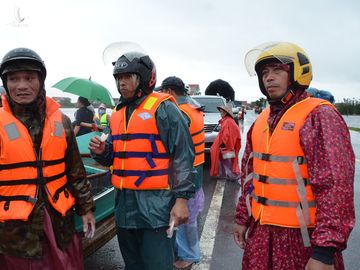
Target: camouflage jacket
{"x":24,"y":238}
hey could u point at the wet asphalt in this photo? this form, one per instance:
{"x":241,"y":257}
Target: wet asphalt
{"x":226,"y":255}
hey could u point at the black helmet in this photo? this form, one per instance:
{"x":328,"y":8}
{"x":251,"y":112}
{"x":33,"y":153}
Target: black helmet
{"x":22,"y":59}
{"x":174,"y":83}
{"x":140,"y":64}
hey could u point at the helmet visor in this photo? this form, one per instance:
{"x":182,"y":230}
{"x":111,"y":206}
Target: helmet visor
{"x":252,"y":56}
{"x":129,"y":49}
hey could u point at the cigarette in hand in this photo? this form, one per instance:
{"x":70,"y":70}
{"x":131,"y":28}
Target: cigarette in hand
{"x":103,"y":137}
{"x":171,"y":229}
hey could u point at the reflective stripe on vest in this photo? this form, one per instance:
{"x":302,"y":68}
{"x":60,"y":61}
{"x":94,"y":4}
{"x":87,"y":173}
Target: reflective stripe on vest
{"x":281,"y":193}
{"x":140,"y":157}
{"x":197,"y":131}
{"x":23,"y":171}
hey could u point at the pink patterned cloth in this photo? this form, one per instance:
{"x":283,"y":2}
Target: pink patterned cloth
{"x":53,"y":258}
{"x":272,"y":247}
{"x":330,"y":158}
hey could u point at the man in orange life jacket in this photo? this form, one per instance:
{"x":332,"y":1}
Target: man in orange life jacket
{"x":297,"y":171}
{"x":187,"y":238}
{"x":42,"y":178}
{"x":149,"y":143}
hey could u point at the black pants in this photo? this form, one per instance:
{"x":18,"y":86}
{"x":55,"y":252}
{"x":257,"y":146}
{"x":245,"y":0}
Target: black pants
{"x":146,"y":249}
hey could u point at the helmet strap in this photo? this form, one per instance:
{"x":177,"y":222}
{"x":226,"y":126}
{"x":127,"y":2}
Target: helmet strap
{"x":288,"y":96}
{"x":285,"y":99}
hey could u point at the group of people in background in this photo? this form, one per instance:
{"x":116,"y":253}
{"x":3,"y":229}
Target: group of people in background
{"x":87,"y":120}
{"x":296,"y":208}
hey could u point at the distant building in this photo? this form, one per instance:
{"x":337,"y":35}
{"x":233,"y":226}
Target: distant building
{"x":194,"y":89}
{"x":63,"y":101}
{"x":239,"y":103}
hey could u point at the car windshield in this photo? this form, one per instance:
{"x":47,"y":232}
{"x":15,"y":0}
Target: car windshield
{"x":210,"y":104}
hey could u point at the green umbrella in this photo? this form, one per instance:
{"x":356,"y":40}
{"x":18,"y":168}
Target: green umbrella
{"x":85,"y":88}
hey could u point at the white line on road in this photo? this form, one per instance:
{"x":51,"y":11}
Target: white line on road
{"x":207,"y":240}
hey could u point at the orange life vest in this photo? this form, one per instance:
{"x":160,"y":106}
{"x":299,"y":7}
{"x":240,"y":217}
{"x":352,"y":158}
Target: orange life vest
{"x":23,"y":171}
{"x":282,"y":194}
{"x":140,"y":158}
{"x":196,"y":130}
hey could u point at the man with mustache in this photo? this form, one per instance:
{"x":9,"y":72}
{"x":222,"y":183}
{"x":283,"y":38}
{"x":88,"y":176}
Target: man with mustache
{"x":297,"y":204}
{"x":42,"y":177}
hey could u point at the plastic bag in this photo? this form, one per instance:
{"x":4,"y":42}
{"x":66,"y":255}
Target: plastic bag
{"x":225,"y":170}
{"x":227,"y":154}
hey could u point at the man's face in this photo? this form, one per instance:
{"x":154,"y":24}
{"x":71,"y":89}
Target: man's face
{"x":275,"y":78}
{"x":24,"y":86}
{"x":126,"y":84}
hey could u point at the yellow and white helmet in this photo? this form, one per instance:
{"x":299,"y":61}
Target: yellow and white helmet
{"x":285,"y":53}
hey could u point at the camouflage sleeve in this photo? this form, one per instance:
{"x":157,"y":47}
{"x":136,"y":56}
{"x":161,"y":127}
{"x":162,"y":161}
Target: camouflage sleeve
{"x":79,"y":185}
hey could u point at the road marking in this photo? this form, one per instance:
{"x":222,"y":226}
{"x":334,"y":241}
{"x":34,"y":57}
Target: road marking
{"x":207,"y":240}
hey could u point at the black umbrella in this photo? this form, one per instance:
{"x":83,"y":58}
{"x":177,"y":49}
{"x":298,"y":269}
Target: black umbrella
{"x":222,"y":88}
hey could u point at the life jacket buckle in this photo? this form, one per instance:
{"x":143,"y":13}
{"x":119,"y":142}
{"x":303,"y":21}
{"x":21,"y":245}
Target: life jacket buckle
{"x":7,"y":205}
{"x":56,"y":197}
{"x":125,"y":137}
{"x":262,"y":178}
{"x":261,"y":200}
{"x":32,"y":200}
{"x":301,"y":160}
{"x":39,"y":164}
{"x":265,"y":157}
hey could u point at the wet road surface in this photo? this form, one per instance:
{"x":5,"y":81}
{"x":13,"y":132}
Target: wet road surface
{"x":217,"y":240}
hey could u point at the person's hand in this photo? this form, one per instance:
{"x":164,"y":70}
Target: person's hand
{"x":317,"y":265}
{"x":96,"y":145}
{"x":88,"y":224}
{"x":179,"y":213}
{"x":239,"y":235}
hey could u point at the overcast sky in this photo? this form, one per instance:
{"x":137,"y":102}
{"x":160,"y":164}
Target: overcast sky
{"x":196,"y":40}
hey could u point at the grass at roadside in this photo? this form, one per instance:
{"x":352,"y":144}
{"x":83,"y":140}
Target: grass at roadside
{"x":354,"y":129}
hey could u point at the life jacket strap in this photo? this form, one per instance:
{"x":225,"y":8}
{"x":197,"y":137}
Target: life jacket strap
{"x":200,"y":143}
{"x":278,"y":181}
{"x":142,"y":174}
{"x":135,"y":136}
{"x":197,"y":132}
{"x":147,"y":155}
{"x":199,"y":153}
{"x":269,"y":157}
{"x":63,"y":188}
{"x":33,"y":181}
{"x":303,"y":228}
{"x":8,"y":199}
{"x":35,"y":164}
{"x":249,"y":176}
{"x":266,"y":201}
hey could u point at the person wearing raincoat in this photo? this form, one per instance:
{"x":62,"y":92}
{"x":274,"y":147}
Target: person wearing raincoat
{"x":297,"y":175}
{"x":42,"y":177}
{"x":187,"y":238}
{"x":152,"y":155}
{"x":225,"y":150}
